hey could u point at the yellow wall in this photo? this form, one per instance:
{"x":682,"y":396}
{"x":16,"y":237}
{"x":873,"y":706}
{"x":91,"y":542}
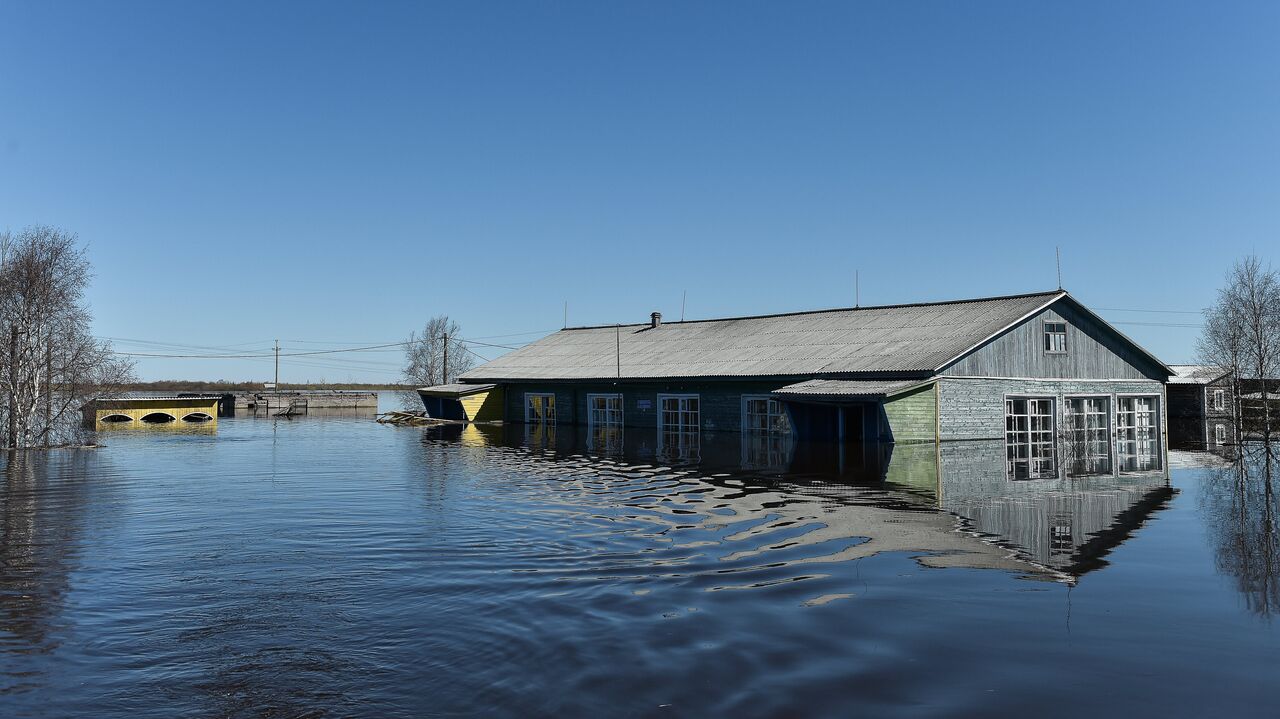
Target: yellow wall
{"x":483,"y":406}
{"x":137,"y":409}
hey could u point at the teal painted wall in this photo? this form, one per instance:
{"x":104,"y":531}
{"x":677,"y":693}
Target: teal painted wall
{"x":721,"y":402}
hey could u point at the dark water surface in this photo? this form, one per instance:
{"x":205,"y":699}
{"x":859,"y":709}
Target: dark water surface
{"x":335,"y":567}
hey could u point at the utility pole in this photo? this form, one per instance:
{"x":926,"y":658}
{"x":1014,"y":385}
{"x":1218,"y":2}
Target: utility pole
{"x":277,"y":365}
{"x":444,"y":371}
{"x":617,"y":333}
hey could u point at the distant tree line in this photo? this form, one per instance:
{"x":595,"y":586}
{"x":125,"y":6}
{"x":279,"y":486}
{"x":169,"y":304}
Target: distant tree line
{"x":1242,"y":336}
{"x":222,"y":385}
{"x":50,"y":363}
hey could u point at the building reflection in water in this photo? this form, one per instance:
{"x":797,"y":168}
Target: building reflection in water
{"x":1241,"y":507}
{"x":1056,"y":528}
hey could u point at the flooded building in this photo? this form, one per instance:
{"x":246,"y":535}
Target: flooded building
{"x":1064,"y":391}
{"x":1200,"y":406}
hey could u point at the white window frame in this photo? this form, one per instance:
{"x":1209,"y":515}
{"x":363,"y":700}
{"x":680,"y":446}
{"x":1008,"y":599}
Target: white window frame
{"x":605,"y":425}
{"x":528,"y":406}
{"x":1157,"y":431}
{"x":1037,"y":446}
{"x":1108,"y":431}
{"x":1219,"y":400}
{"x":687,"y":438}
{"x":1219,"y":433}
{"x":681,"y":426}
{"x":771,"y":418}
{"x":1046,"y":334}
{"x":609,"y":420}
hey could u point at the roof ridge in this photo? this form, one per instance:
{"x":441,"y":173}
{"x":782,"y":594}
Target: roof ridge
{"x":935,"y":303}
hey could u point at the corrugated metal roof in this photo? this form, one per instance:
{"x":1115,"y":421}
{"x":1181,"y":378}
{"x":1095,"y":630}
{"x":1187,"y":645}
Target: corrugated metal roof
{"x":917,"y":338}
{"x":845,"y":388}
{"x":1196,"y":373}
{"x":454,"y":389}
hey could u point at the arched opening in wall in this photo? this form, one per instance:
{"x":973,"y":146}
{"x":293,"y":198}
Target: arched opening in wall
{"x":158,"y":418}
{"x":117,"y":418}
{"x":198,"y":417}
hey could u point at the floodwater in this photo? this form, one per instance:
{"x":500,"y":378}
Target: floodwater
{"x":334,"y":567}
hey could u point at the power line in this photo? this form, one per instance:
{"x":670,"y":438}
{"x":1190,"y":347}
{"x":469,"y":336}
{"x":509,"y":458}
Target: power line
{"x":1165,"y":312}
{"x":1160,"y":324}
{"x":310,"y":353}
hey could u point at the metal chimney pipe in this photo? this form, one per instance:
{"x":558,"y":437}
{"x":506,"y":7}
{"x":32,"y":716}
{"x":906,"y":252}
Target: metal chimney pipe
{"x":655,"y":319}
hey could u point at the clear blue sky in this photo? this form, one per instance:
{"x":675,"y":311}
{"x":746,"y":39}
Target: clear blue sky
{"x":338,"y":172}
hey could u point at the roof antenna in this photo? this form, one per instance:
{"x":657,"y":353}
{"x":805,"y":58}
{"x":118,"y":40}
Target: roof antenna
{"x":1058,"y":251}
{"x":857,"y":291}
{"x":684,"y":296}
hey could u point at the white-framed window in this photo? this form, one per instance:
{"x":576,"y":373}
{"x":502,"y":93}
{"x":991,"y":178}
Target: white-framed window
{"x":540,"y":407}
{"x":604,"y":422}
{"x":1029,"y":440}
{"x":762,"y":413}
{"x":1220,"y":433}
{"x":1219,"y":399}
{"x":1055,"y":337}
{"x":1087,"y":437}
{"x":1138,"y":433}
{"x":679,"y":412}
{"x":679,"y":426}
{"x":604,"y":410}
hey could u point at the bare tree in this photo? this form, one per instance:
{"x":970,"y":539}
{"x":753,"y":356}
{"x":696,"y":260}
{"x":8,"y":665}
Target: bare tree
{"x":1242,"y":332}
{"x":51,"y":362}
{"x":426,"y":353}
{"x":1222,"y":345}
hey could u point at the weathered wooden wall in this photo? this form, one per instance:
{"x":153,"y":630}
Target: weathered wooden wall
{"x":913,"y":417}
{"x":1093,"y":352}
{"x":974,"y":408}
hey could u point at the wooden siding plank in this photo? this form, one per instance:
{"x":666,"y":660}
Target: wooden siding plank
{"x":1092,"y":352}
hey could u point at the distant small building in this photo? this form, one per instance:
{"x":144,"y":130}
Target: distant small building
{"x":1038,"y":372}
{"x":141,"y":411}
{"x":1200,"y":406}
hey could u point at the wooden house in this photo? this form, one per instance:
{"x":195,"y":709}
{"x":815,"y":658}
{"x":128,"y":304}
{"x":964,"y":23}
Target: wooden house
{"x":1201,"y":406}
{"x":1065,"y":391}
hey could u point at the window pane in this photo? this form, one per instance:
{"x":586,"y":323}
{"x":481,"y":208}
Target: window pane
{"x":1029,"y":439}
{"x":1137,"y":434}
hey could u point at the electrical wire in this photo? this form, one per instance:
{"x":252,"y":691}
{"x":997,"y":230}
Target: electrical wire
{"x":1164,"y":312}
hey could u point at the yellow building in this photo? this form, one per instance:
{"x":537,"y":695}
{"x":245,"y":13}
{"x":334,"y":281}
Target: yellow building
{"x":139,"y":411}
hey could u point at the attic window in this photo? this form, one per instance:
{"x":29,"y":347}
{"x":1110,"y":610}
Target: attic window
{"x":1055,"y":338}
